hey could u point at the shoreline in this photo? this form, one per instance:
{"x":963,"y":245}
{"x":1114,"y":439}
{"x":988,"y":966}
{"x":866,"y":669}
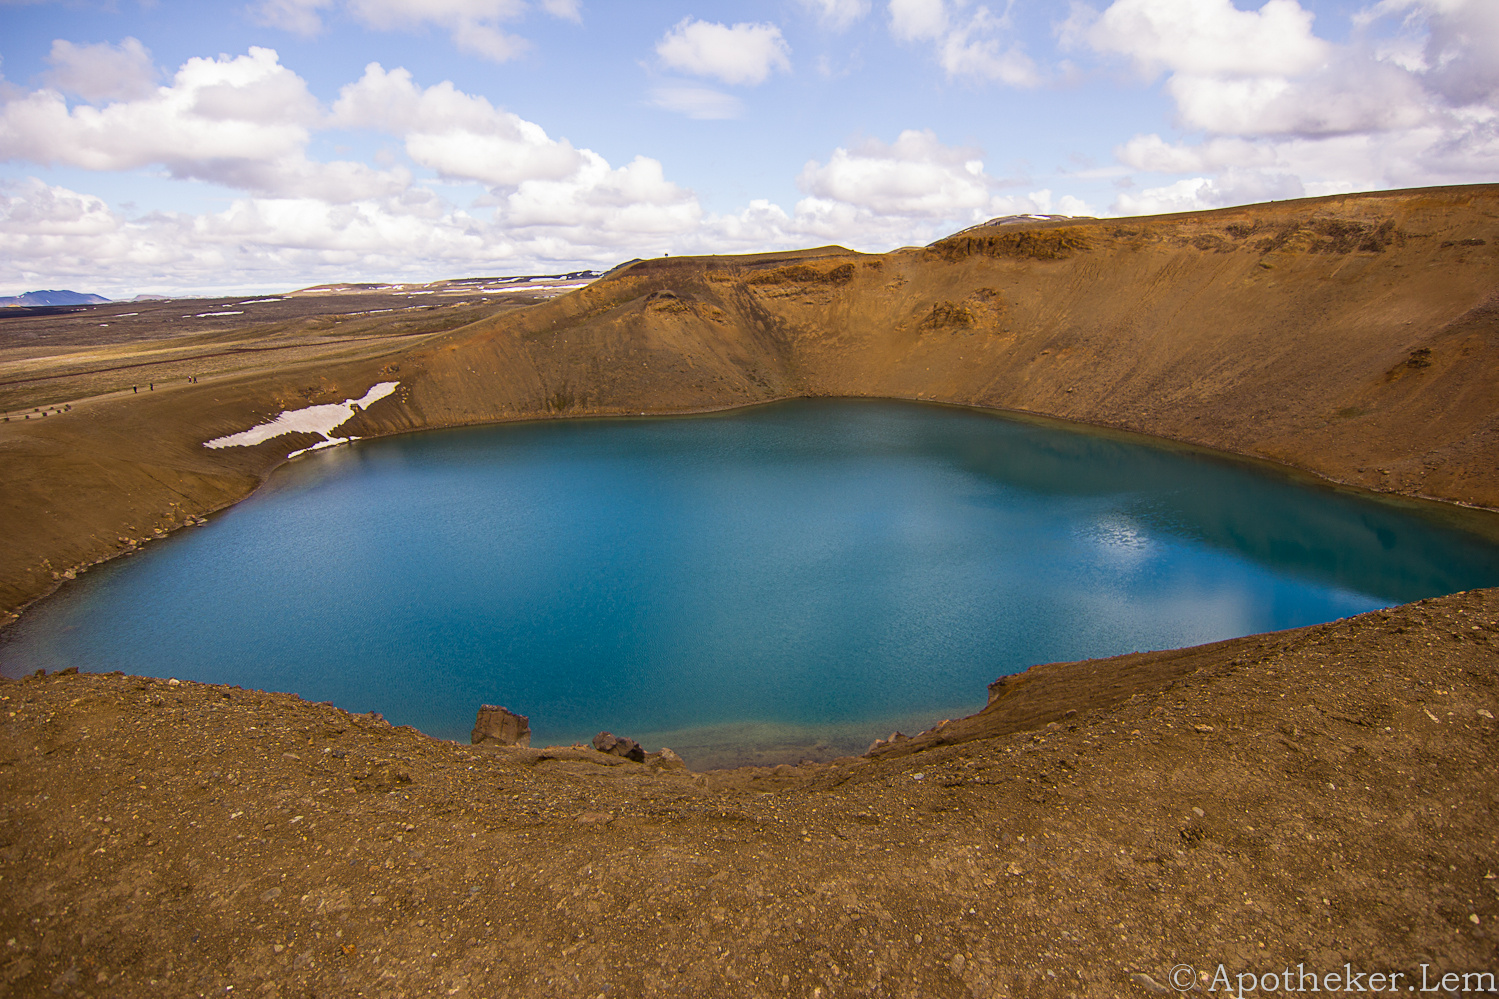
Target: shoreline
{"x":1468,"y":517}
{"x":722,"y":748}
{"x":1249,"y":804}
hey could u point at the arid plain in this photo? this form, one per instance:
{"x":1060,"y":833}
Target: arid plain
{"x":1316,"y":798}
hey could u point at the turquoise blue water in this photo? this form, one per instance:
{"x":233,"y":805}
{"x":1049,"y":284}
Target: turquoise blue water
{"x":797,"y":578}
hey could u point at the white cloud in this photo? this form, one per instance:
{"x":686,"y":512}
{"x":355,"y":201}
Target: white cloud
{"x":545,"y":187}
{"x":243,"y":122}
{"x":248,"y":108}
{"x":697,"y":102}
{"x":54,"y":235}
{"x":838,"y":15}
{"x":247,"y":122}
{"x":103,"y":71}
{"x":918,"y":20}
{"x":912,"y":190}
{"x":395,"y":14}
{"x":576,"y":210}
{"x":1457,"y":57}
{"x":738,"y":55}
{"x":914,"y":176}
{"x":1233,"y":187}
{"x":39,"y":210}
{"x":1284,"y":111}
{"x":974,"y":46}
{"x":972,"y":49}
{"x":474,"y":24}
{"x":300,"y":17}
{"x":490,"y":42}
{"x":1353,"y":95}
{"x":568,"y":10}
{"x":456,"y":134}
{"x":1206,"y":37}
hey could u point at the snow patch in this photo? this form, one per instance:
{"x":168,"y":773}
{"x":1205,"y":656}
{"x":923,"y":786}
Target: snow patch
{"x":311,"y":420}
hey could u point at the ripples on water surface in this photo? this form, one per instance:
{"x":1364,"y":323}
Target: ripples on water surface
{"x":795,"y":579}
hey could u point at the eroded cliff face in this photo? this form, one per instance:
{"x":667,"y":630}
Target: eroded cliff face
{"x":1353,"y":337}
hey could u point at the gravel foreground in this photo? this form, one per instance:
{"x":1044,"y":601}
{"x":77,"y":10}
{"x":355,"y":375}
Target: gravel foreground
{"x":1318,"y":802}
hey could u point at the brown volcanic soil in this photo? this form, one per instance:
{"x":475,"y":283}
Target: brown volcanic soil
{"x":1314,"y":797}
{"x":1354,"y":337}
{"x":158,"y":840}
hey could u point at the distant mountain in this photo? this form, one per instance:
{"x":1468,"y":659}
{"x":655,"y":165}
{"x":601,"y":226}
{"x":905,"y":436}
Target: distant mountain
{"x":53,"y":298}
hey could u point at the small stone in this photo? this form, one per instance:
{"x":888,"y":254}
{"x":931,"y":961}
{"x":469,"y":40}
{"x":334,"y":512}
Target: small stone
{"x":1203,"y":728}
{"x":957,"y":964}
{"x":174,"y":682}
{"x":666,"y":760}
{"x":1473,"y":918}
{"x":1486,"y":713}
{"x":1151,"y":985}
{"x":1198,"y":812}
{"x":615,"y":745}
{"x":270,"y":894}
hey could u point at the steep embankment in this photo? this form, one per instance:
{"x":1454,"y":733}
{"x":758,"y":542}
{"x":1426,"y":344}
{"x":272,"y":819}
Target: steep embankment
{"x":1302,"y":800}
{"x":1354,"y":337}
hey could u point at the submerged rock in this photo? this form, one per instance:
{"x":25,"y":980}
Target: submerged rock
{"x":497,"y":726}
{"x":616,"y":745}
{"x":665,"y":759}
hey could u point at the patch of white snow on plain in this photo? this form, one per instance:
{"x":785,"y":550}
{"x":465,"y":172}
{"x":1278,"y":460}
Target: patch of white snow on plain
{"x":311,"y":420}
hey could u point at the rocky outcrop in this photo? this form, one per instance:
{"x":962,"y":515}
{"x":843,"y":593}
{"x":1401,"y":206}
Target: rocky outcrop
{"x":616,"y":745}
{"x":497,"y":726}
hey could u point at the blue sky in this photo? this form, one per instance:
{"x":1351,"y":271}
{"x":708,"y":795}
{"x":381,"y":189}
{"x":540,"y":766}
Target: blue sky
{"x":260,"y":145}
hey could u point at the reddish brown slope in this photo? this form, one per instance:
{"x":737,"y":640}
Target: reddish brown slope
{"x":1354,"y":337}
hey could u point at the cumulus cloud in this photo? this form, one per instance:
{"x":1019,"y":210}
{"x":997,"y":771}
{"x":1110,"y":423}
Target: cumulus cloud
{"x":216,"y":111}
{"x":102,"y":71}
{"x":744,"y":54}
{"x":1204,"y":37}
{"x":916,"y":175}
{"x":1282,"y":112}
{"x":972,"y":46}
{"x":838,"y":15}
{"x":540,"y":183}
{"x":911,"y":190}
{"x":1233,"y":187}
{"x":456,"y":134}
{"x":247,"y":122}
{"x":243,"y":122}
